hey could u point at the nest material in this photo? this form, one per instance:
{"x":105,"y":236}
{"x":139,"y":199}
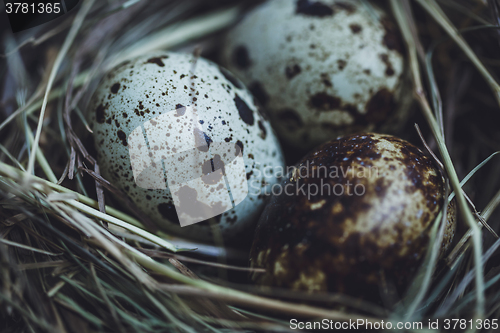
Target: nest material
{"x":71,"y":263}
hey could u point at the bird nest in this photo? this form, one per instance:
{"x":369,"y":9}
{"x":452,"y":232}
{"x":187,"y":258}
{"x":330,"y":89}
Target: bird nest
{"x":73,"y":260}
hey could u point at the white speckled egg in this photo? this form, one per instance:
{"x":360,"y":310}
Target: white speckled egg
{"x":321,"y":68}
{"x":184,"y":141}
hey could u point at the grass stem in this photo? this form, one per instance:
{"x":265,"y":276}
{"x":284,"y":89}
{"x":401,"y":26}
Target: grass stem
{"x":75,"y":27}
{"x":404,"y":21}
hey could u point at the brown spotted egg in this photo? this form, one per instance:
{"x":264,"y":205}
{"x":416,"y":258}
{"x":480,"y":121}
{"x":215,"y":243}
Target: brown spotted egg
{"x":184,"y":140}
{"x":321,"y":68}
{"x":352,"y":216}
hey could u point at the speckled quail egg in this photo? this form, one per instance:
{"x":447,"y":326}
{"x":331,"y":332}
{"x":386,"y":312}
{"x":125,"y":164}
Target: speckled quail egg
{"x":350,"y":217}
{"x":185,"y":141}
{"x":322,"y":68}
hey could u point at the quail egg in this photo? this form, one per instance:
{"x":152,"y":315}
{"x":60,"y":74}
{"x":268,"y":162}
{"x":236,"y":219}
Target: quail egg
{"x":351,"y":216}
{"x":321,"y":68}
{"x":185,"y":141}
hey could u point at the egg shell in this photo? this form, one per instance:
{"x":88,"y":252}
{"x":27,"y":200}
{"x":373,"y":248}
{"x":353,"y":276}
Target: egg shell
{"x":321,"y":68}
{"x":351,"y":243}
{"x":141,"y":92}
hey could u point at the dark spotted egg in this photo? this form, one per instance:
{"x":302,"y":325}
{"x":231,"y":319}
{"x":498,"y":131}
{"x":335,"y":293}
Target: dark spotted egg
{"x":168,"y":128}
{"x":351,"y":217}
{"x":321,"y":68}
